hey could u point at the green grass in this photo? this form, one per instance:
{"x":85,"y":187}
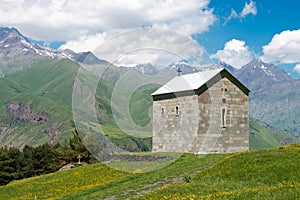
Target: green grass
{"x":262,"y":174}
{"x":140,"y":104}
{"x":48,"y":86}
{"x":261,"y":137}
{"x":135,"y":184}
{"x":59,"y":184}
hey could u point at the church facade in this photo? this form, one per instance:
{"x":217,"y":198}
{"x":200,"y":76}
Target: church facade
{"x":204,"y":112}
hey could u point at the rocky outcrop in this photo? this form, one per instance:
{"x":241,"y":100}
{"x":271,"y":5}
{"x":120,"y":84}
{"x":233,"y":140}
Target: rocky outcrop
{"x":67,"y":167}
{"x":19,"y":112}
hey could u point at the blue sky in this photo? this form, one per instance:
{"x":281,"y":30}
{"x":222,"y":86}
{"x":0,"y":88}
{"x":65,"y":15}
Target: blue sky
{"x":257,"y":30}
{"x":233,"y":31}
{"x":272,"y":18}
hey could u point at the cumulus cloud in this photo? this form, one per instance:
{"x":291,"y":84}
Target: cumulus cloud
{"x":71,"y":20}
{"x":235,"y":53}
{"x":153,"y":45}
{"x":89,"y":42}
{"x":297,"y":68}
{"x":283,"y":48}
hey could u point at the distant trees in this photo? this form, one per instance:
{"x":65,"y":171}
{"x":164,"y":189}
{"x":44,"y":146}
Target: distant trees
{"x":33,"y":161}
{"x":9,"y":165}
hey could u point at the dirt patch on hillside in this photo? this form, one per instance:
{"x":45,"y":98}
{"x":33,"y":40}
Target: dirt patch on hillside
{"x":135,"y":158}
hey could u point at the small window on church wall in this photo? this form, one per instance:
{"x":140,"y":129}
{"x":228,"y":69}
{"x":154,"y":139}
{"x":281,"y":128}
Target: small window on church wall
{"x":224,"y":91}
{"x":177,"y":110}
{"x":162,"y":111}
{"x":223,"y":118}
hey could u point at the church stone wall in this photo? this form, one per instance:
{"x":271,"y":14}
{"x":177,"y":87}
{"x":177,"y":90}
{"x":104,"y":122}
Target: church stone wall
{"x":214,"y":122}
{"x":174,"y":132}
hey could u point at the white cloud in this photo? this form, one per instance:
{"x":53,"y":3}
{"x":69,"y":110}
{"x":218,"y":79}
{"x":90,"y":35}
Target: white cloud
{"x":154,"y":45}
{"x":249,"y":9}
{"x":297,"y":68}
{"x":90,"y":42}
{"x":235,"y":53}
{"x":232,"y":15}
{"x":283,"y":48}
{"x":71,"y":20}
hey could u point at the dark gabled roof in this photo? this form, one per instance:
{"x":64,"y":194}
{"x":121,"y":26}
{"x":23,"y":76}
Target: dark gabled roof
{"x":196,"y":83}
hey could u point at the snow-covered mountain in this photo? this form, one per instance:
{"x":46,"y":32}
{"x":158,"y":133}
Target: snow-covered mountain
{"x":171,"y":70}
{"x":17,"y":52}
{"x":167,"y":72}
{"x":12,"y":39}
{"x":146,"y":68}
{"x":258,"y":75}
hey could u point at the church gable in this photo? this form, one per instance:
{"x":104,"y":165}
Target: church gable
{"x":195,"y":83}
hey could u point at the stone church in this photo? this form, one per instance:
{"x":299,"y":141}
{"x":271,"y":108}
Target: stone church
{"x":203,"y":112}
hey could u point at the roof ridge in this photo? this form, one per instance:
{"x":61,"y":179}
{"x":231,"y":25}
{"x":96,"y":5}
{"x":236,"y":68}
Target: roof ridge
{"x":187,"y":82}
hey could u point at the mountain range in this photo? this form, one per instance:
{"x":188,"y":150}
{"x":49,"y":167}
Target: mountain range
{"x":37,"y":84}
{"x":274,"y":97}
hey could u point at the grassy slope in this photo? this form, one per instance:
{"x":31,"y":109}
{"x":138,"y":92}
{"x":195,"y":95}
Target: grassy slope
{"x":262,"y":137}
{"x":97,"y":181}
{"x":262,"y":174}
{"x":44,"y":86}
{"x":140,"y":104}
{"x":56,"y":185}
{"x":48,"y":86}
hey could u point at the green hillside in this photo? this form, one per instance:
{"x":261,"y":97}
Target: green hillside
{"x":45,"y":91}
{"x":262,"y":137}
{"x":263,"y":174}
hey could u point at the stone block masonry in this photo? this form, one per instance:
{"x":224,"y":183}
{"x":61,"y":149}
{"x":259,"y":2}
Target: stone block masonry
{"x":214,"y":121}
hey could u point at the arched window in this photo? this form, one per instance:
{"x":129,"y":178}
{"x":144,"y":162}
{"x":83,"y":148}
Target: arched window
{"x":162,"y":111}
{"x":223,"y":117}
{"x":177,"y":110}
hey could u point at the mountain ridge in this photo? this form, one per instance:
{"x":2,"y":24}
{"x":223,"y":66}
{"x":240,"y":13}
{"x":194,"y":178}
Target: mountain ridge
{"x":18,"y":53}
